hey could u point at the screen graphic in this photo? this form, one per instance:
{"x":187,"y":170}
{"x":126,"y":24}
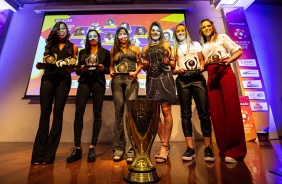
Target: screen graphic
{"x":106,"y":24}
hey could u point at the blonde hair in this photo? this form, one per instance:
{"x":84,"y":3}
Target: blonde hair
{"x":176,"y":41}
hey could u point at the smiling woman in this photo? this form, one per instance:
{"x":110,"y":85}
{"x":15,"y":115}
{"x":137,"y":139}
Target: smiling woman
{"x":55,"y":84}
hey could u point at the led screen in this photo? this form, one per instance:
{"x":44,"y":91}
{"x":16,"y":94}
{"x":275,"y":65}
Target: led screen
{"x":106,"y":24}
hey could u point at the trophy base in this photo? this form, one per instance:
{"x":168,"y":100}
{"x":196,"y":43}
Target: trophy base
{"x":142,"y":177}
{"x":126,"y":73}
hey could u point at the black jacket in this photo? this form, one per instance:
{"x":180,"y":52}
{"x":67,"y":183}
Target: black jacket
{"x":104,"y":59}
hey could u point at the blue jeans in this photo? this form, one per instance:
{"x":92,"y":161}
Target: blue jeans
{"x":123,"y":89}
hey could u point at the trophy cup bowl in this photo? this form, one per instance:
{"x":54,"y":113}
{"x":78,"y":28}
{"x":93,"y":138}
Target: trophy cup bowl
{"x":142,"y":124}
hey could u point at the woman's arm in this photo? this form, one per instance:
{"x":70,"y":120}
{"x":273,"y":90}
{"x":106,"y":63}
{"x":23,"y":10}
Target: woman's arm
{"x":139,"y":65}
{"x":234,"y":57}
{"x":112,"y":64}
{"x":201,"y":61}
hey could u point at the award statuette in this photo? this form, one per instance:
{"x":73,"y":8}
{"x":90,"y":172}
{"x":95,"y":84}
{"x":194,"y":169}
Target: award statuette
{"x":216,"y":59}
{"x":92,"y":62}
{"x":52,"y":60}
{"x":191,"y":67}
{"x":121,"y":68}
{"x":142,"y":124}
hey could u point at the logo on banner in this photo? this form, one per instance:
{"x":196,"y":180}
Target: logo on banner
{"x":259,"y":106}
{"x":247,"y":62}
{"x":252,"y":84}
{"x":255,"y":95}
{"x":249,"y":73}
{"x":245,"y":116}
{"x":240,"y":34}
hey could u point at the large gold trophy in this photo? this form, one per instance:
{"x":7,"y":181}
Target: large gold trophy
{"x":142,"y":124}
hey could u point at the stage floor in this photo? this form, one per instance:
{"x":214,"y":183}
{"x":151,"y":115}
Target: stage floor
{"x":262,"y":165}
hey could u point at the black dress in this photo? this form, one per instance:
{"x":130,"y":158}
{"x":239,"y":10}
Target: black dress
{"x":160,"y":83}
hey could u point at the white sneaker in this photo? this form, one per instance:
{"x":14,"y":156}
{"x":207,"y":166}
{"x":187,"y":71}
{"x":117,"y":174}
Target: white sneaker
{"x":230,"y":160}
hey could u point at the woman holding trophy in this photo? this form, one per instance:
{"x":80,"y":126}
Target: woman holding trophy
{"x":160,"y":85}
{"x":93,"y":64}
{"x":124,"y":69}
{"x":55,"y":86}
{"x":191,"y":83}
{"x":219,"y":51}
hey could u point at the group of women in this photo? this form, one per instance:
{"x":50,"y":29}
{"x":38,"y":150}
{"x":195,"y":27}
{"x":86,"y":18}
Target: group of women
{"x":216,"y":100}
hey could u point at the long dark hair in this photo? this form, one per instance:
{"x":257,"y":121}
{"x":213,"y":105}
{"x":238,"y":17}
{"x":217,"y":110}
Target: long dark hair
{"x":87,"y":43}
{"x":54,"y":40}
{"x":117,"y":46}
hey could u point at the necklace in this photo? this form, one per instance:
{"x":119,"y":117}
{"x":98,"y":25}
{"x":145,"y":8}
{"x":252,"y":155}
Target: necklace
{"x":123,"y":46}
{"x":184,"y":54}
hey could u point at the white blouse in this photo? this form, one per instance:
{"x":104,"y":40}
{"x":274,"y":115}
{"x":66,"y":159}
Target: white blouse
{"x":188,"y":59}
{"x":221,"y":48}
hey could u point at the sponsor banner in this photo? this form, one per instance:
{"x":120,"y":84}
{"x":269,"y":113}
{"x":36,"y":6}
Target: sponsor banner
{"x":247,"y":68}
{"x":247,"y":62}
{"x":255,"y":95}
{"x":248,"y":120}
{"x":252,"y":84}
{"x":259,"y":106}
{"x":249,"y":73}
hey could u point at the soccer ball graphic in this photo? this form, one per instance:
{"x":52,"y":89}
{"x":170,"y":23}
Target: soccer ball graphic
{"x":240,"y":34}
{"x":245,"y":116}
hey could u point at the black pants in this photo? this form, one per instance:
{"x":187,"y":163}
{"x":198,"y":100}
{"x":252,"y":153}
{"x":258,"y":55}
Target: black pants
{"x":46,"y":143}
{"x":83,"y":93}
{"x":188,"y":87}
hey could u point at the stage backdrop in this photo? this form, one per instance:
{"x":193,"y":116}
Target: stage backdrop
{"x":248,"y":70}
{"x":137,"y":24}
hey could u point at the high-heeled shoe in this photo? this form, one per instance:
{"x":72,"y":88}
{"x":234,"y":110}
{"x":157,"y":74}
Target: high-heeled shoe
{"x":129,"y":160}
{"x":157,"y":155}
{"x":163,"y":159}
{"x":117,"y":158}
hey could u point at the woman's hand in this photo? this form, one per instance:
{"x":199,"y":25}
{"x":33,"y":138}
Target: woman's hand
{"x":132,"y":75}
{"x":112,"y":74}
{"x":166,"y":60}
{"x":40,"y":66}
{"x":181,"y":71}
{"x":145,"y":64}
{"x":83,"y":68}
{"x":100,"y":67}
{"x":201,"y":68}
{"x":69,"y":68}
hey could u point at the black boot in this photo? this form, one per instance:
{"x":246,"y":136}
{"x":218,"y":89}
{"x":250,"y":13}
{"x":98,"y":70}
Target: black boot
{"x":91,"y":155}
{"x":75,"y":155}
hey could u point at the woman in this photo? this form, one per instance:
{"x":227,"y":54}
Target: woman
{"x":190,"y":82}
{"x":91,"y":81}
{"x":55,"y":85}
{"x":124,"y":59}
{"x":160,"y":84}
{"x":222,"y":92}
